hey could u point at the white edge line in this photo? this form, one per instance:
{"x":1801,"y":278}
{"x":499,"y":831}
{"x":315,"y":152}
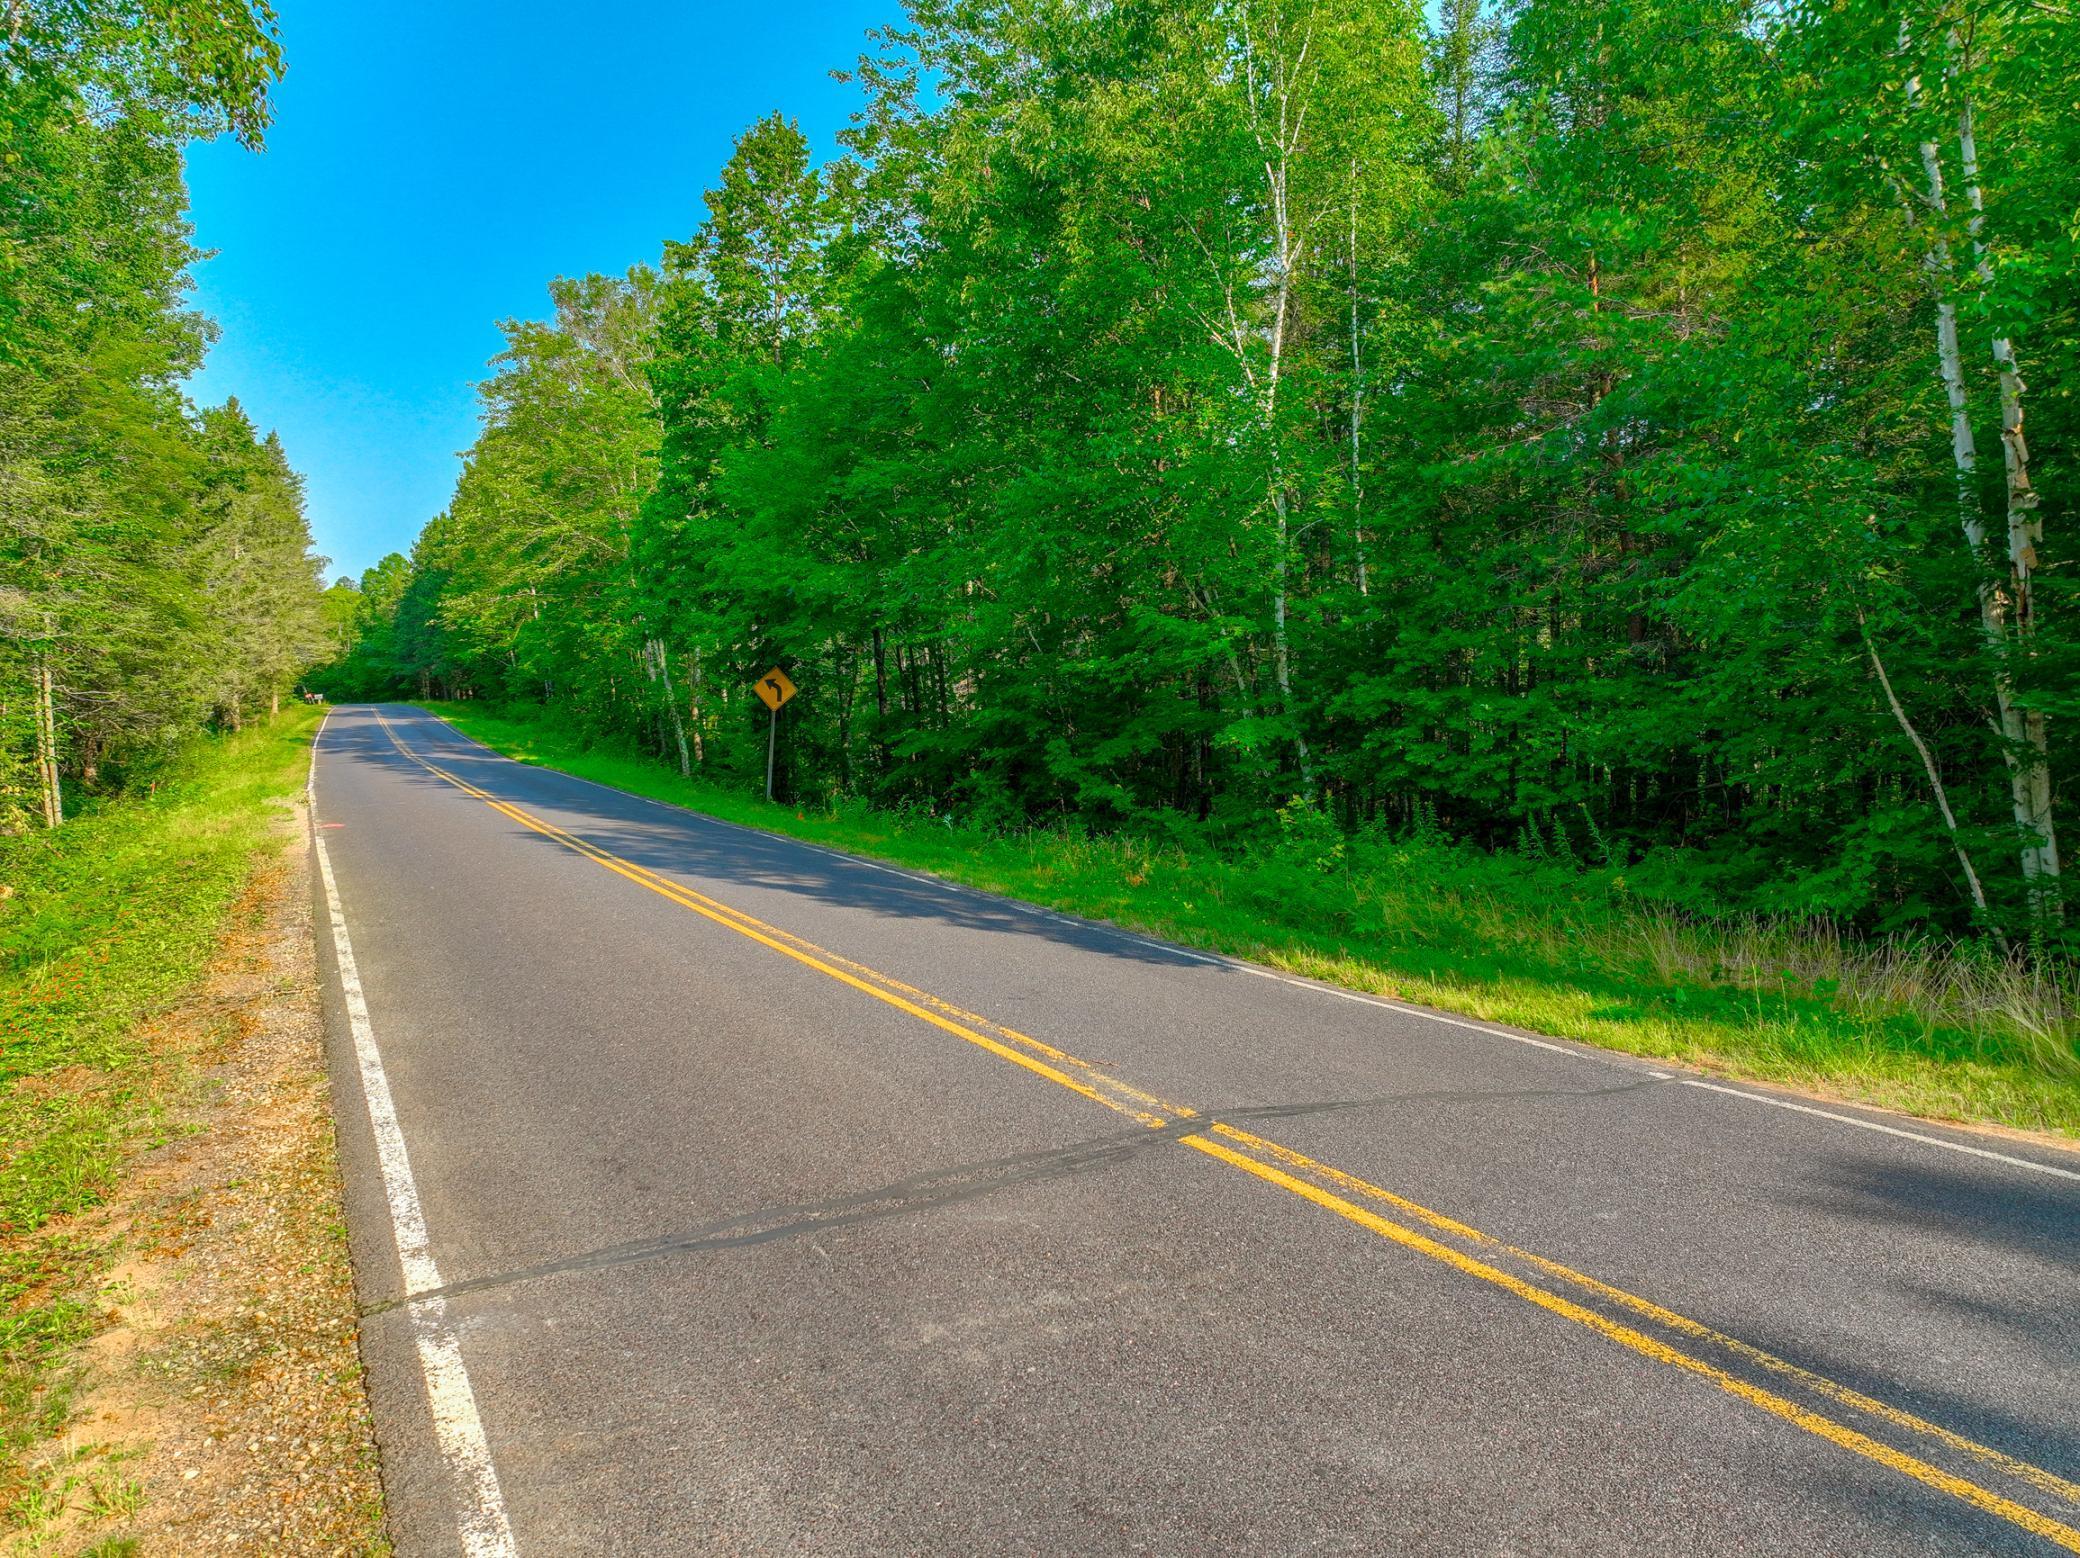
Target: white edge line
{"x":1405,"y":1009}
{"x":1324,"y":989}
{"x":1889,"y":1130}
{"x":459,"y":1431}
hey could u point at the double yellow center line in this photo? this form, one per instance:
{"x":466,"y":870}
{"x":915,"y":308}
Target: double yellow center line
{"x":1346,"y":1195}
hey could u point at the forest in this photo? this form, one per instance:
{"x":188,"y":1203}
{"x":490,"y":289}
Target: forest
{"x":1583,"y":431}
{"x":156,"y":574}
{"x":1587,"y":429}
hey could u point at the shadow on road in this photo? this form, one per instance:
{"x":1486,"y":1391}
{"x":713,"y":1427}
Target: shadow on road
{"x":680,"y":843}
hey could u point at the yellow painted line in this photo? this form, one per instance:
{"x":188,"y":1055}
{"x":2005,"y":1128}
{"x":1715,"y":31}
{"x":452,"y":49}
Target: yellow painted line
{"x":808,"y":954}
{"x":1777,"y":1406}
{"x":2035,"y":1476}
{"x":817,"y":957}
{"x":1106,"y":1082}
{"x":1002,"y":1051}
{"x":688,"y":900}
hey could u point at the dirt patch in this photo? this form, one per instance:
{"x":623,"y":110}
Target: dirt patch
{"x":220,"y":1406}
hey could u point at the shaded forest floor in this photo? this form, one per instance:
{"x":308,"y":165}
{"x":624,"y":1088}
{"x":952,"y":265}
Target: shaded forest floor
{"x":178,"y":1366}
{"x":1948,"y":1031}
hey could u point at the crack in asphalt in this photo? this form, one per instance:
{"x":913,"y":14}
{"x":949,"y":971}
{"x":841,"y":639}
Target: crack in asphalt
{"x":933,"y":1188}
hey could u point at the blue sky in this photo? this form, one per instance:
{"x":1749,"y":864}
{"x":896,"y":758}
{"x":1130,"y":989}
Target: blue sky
{"x":433,"y":163}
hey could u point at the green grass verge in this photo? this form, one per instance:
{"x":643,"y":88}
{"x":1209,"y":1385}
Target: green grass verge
{"x":1947,"y":1031}
{"x":108,"y":920}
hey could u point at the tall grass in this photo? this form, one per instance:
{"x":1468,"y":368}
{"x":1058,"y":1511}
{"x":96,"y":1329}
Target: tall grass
{"x":2013,"y":1002}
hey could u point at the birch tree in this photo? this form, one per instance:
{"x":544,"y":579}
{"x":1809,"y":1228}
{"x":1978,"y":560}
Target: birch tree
{"x":2005,"y":593}
{"x":2022,"y":726}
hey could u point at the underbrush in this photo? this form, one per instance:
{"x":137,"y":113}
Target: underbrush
{"x":104,"y":922}
{"x":1949,"y":1029}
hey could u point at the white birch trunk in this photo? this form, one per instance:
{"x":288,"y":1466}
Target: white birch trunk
{"x":671,"y":702}
{"x":2029,"y":768}
{"x":1282,"y":302}
{"x":1282,"y":658}
{"x":2022,"y":733}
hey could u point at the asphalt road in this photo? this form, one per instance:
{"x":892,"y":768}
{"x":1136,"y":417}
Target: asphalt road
{"x":777,"y":1201}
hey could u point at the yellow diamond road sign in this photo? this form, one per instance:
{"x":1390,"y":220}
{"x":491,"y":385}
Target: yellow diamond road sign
{"x":774,"y":688}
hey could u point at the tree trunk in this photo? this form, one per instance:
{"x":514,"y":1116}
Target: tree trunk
{"x":848,"y":690}
{"x":2022,"y":732}
{"x":671,"y":703}
{"x":47,"y":745}
{"x":1281,"y":645}
{"x":1928,"y":764}
{"x":2029,"y":768}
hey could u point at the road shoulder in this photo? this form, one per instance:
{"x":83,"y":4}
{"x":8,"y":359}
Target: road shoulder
{"x":220,"y":1404}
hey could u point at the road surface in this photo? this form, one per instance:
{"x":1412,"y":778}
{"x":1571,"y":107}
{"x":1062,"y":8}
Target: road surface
{"x":714,"y":1192}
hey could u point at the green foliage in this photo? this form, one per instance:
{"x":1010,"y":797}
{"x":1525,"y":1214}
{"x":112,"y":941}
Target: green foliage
{"x":1309,"y":838}
{"x":1521,"y":428}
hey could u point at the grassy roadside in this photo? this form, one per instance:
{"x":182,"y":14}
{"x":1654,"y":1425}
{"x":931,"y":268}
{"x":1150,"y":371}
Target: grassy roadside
{"x":107,"y":921}
{"x":1951,"y":1033}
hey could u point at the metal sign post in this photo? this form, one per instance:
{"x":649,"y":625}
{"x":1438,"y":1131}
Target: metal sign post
{"x":773,"y":689}
{"x":772,"y":741}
